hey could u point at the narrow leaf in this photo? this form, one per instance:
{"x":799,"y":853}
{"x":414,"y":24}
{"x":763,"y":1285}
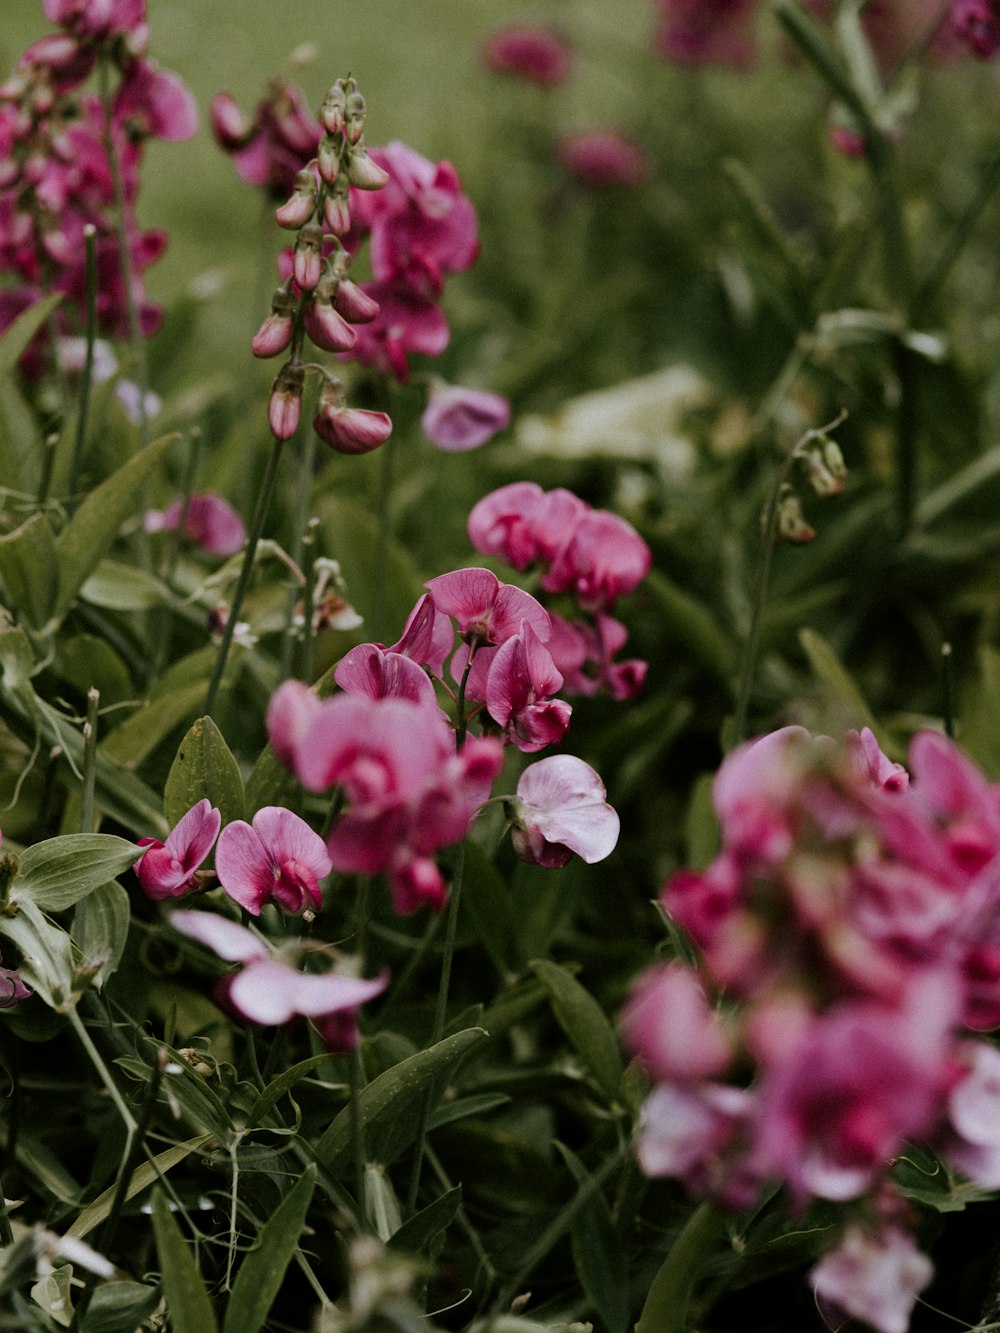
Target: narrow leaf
{"x":666,"y":1307}
{"x":188,"y":1305}
{"x":16,"y":339}
{"x":204,"y":767}
{"x":263,"y":1270}
{"x":277,"y":1088}
{"x":29,"y":569}
{"x":142,"y":1177}
{"x":833,"y":675}
{"x":598,"y":1256}
{"x":416,"y":1234}
{"x":60,"y":871}
{"x":585,"y":1024}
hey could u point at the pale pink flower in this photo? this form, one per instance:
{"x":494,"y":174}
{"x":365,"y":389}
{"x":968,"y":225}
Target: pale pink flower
{"x":875,"y":1276}
{"x":604,"y":159}
{"x":696,"y":1132}
{"x":278,"y":858}
{"x":170,"y":869}
{"x":209,"y":521}
{"x":484,"y":609}
{"x":268,"y":990}
{"x":669,"y":1025}
{"x":521,"y":680}
{"x":291,"y":711}
{"x":973,"y":1108}
{"x":458,"y":419}
{"x":530,"y":51}
{"x":559,"y":809}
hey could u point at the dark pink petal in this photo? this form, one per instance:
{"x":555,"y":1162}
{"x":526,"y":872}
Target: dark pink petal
{"x":485,"y":608}
{"x":604,"y":159}
{"x":427,"y":637}
{"x":369,"y":669}
{"x":530,"y":51}
{"x":244,"y":868}
{"x":417,"y":883}
{"x":290,"y":712}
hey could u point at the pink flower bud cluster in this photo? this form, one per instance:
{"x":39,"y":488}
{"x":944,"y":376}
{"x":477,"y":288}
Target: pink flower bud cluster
{"x":592,"y":556}
{"x":852,"y":918}
{"x":56,"y":179}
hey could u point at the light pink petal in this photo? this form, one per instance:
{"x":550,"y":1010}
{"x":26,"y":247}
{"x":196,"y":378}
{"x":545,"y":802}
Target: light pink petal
{"x":563,"y":800}
{"x":264,"y":992}
{"x":244,"y":868}
{"x":226,"y":938}
{"x":458,"y":419}
{"x":290,"y":714}
{"x":317,"y":994}
{"x":288,"y":838}
{"x":465,"y":594}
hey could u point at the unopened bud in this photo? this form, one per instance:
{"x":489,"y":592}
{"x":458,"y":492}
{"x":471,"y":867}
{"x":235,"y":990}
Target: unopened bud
{"x":285,"y":406}
{"x":230,"y":126}
{"x":275,"y":333}
{"x":363,"y":173}
{"x":349,"y":430}
{"x":328,"y":158}
{"x":325,"y":326}
{"x":337,"y":209}
{"x":302,"y":204}
{"x":354,"y":303}
{"x":792,"y":526}
{"x":307,"y":261}
{"x":825,"y":467}
{"x":354,"y":118}
{"x":332,"y":110}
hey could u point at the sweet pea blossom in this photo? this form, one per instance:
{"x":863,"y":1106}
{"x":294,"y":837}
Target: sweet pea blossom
{"x":12,"y":988}
{"x":976,"y":23}
{"x":559,"y":809}
{"x":278,"y":858}
{"x":521,"y":680}
{"x":875,"y":1276}
{"x":209,"y":521}
{"x":603,"y":559}
{"x":530,"y":51}
{"x":269,"y":149}
{"x":484,"y":609}
{"x":703,"y":32}
{"x":457,"y":419}
{"x":603,"y":159}
{"x":670,"y":1025}
{"x":170,"y":869}
{"x":270,"y":991}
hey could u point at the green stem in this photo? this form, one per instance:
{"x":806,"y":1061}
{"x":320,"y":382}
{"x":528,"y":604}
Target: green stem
{"x":666,"y":1307}
{"x":300,"y":534}
{"x":307,"y":556}
{"x":381,"y":570}
{"x":89,"y":762}
{"x":94,"y":1055}
{"x":948,"y":690}
{"x":90,"y":243}
{"x":249,"y":555}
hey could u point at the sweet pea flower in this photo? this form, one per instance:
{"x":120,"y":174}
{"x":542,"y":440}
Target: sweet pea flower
{"x":270,"y":991}
{"x":559,"y":809}
{"x":484,"y":609}
{"x":209,"y":521}
{"x":603,"y":159}
{"x":875,"y":1276}
{"x":278,"y":858}
{"x":427,"y":637}
{"x":529,"y":51}
{"x":458,"y":419}
{"x":522,"y":678}
{"x":669,"y":1025}
{"x":976,"y":23}
{"x":706,"y":32}
{"x":12,"y":988}
{"x":152,"y":102}
{"x":378,"y":673}
{"x":97,"y":20}
{"x":604,"y":559}
{"x":407,"y":322}
{"x":170,"y":869}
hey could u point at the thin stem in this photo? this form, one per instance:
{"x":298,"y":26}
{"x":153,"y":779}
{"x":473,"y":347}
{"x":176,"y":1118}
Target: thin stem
{"x":381,"y":570}
{"x":356,"y":1079}
{"x":300,"y":533}
{"x":94,"y":1055}
{"x":89,"y":762}
{"x":249,"y":555}
{"x":960,"y":234}
{"x":308,"y":561}
{"x":90,"y":244}
{"x":48,"y":465}
{"x":948,"y":690}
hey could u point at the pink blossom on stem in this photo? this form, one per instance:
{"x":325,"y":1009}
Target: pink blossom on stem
{"x":97,"y":20}
{"x":351,"y":430}
{"x":696,"y":1132}
{"x":427,"y":637}
{"x":152,"y":102}
{"x":559,"y":809}
{"x":873,"y":1275}
{"x":278,"y":858}
{"x":529,"y":51}
{"x":407,"y":322}
{"x":270,"y":149}
{"x":209,"y":521}
{"x":457,"y":419}
{"x":170,"y":869}
{"x":519,"y":686}
{"x":604,"y":159}
{"x":484,"y":609}
{"x":290,"y":713}
{"x":603,"y":559}
{"x":972,"y":1142}
{"x":379,"y":673}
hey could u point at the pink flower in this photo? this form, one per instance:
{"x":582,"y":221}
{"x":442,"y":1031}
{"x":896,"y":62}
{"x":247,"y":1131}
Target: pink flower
{"x":603,"y":559}
{"x":669,"y":1024}
{"x":379,"y":673}
{"x":977,"y":24}
{"x":529,"y":51}
{"x":97,"y":19}
{"x":407,"y":322}
{"x":457,"y":419}
{"x":874,"y":1276}
{"x":603,"y":159}
{"x":973,"y":1108}
{"x":350,"y":430}
{"x":169,"y":869}
{"x":278,"y":858}
{"x":503,"y":523}
{"x":270,"y":991}
{"x":153,"y":102}
{"x":696,"y":1132}
{"x":272,"y":148}
{"x":427,"y":637}
{"x":209,"y":521}
{"x":702,"y":32}
{"x":560,"y":808}
{"x":484,"y":609}
{"x":12,"y":988}
{"x":521,"y":680}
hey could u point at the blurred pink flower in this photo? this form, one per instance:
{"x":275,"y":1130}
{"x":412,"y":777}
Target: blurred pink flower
{"x":670,"y":1026}
{"x":603,"y":158}
{"x":458,"y":419}
{"x":706,"y":32}
{"x":407,"y":322}
{"x":278,"y":858}
{"x":529,"y":51}
{"x":976,"y":23}
{"x":603,"y":559}
{"x":209,"y":521}
{"x":97,"y":20}
{"x":269,"y":149}
{"x":874,"y":1276}
{"x":152,"y":102}
{"x":169,"y":869}
{"x":559,"y":809}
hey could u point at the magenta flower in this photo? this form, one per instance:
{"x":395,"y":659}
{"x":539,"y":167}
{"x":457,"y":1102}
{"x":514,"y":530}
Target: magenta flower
{"x":278,"y":858}
{"x":269,"y":990}
{"x":529,"y":51}
{"x":154,"y":103}
{"x":977,"y":24}
{"x":209,"y":521}
{"x":560,"y":808}
{"x":669,"y":1024}
{"x":170,"y":869}
{"x":291,"y":711}
{"x":350,"y":430}
{"x":379,"y":673}
{"x":97,"y":20}
{"x":458,"y":419}
{"x":12,"y":988}
{"x":522,"y":678}
{"x":604,"y":159}
{"x":603,"y":559}
{"x":696,"y":1133}
{"x":874,"y":1276}
{"x":706,"y":32}
{"x":484,"y":609}
{"x":272,"y":148}
{"x":427,"y":637}
{"x":407,"y":322}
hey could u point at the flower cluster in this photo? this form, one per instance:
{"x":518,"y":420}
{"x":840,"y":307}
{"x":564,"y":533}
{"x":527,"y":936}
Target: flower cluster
{"x":853,"y":916}
{"x":57,"y":178}
{"x":272,"y":147}
{"x":590,"y":554}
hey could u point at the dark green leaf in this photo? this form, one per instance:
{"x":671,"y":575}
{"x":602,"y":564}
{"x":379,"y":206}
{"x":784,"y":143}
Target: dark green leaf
{"x":188,"y":1305}
{"x":204,"y":767}
{"x":120,"y":1307}
{"x":585,"y":1024}
{"x":100,"y":929}
{"x":263,"y":1269}
{"x":598,"y":1256}
{"x":415,"y":1235}
{"x":17,"y":337}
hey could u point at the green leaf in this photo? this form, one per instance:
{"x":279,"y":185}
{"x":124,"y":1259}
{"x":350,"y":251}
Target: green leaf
{"x":584,"y":1023}
{"x":140,"y":734}
{"x":694,"y":629}
{"x":389,"y":1104}
{"x":86,"y":661}
{"x":29,"y":569}
{"x":416,"y":1234}
{"x":100,"y":929}
{"x":598,"y":1257}
{"x":58,"y":872}
{"x":16,"y":338}
{"x":833,"y":675}
{"x":92,"y":530}
{"x":204,"y":767}
{"x":188,"y":1305}
{"x":263,"y":1270}
{"x":462,"y":1108}
{"x":142,"y":1177}
{"x":277,"y":1088}
{"x":120,"y":1307}
{"x":46,"y":954}
{"x":486,"y":898}
{"x":118,"y":587}
{"x":666,"y":1307}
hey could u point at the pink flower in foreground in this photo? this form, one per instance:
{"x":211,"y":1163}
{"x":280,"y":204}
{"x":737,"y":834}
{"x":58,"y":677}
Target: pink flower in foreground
{"x":97,"y":19}
{"x":270,"y":991}
{"x":603,"y":159}
{"x":169,"y":869}
{"x":875,"y":1276}
{"x":458,"y":419}
{"x":559,"y":809}
{"x":484,"y":609}
{"x":279,"y":857}
{"x":694,"y":1132}
{"x":209,"y":521}
{"x":521,"y":680}
{"x":530,"y":51}
{"x":670,"y":1026}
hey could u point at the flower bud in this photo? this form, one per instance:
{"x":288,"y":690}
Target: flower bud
{"x":354,"y":118}
{"x":349,"y":430}
{"x":328,"y":329}
{"x":307,"y":261}
{"x":328,"y":159}
{"x":363,"y":173}
{"x":301,"y":206}
{"x":792,"y":526}
{"x":825,"y":467}
{"x":337,"y":209}
{"x":230,"y":126}
{"x":275,"y":333}
{"x":332,"y":110}
{"x":285,"y":406}
{"x":354,"y":303}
